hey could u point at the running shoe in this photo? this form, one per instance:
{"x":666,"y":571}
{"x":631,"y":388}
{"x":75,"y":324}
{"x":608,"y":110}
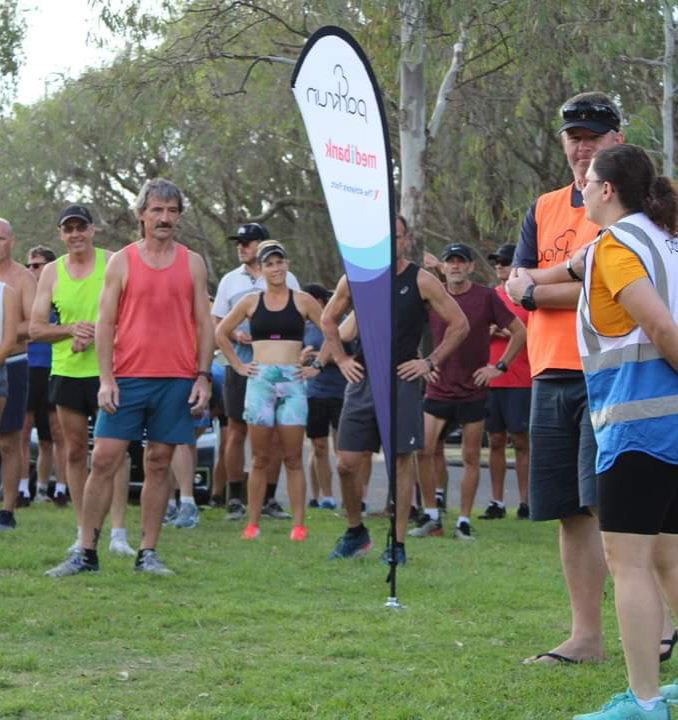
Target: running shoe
{"x":463,"y":531}
{"x":670,"y":692}
{"x":400,"y":557}
{"x":23,"y":501}
{"x":272,"y":509}
{"x":328,"y":503}
{"x":351,"y":546}
{"x":151,"y":564}
{"x":7,"y":521}
{"x":426,"y":527}
{"x":299,"y":533}
{"x":235,"y":510}
{"x":623,"y":706}
{"x":523,"y":511}
{"x":171,"y":514}
{"x":41,"y":496}
{"x":251,"y":532}
{"x":188,"y":516}
{"x":216,"y":501}
{"x":494,"y":511}
{"x":60,"y":500}
{"x":440,"y":502}
{"x":120,"y":546}
{"x":313,"y":503}
{"x":74,"y":564}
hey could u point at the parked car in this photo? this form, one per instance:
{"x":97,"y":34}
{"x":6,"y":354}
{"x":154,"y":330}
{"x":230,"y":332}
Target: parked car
{"x":202,"y":480}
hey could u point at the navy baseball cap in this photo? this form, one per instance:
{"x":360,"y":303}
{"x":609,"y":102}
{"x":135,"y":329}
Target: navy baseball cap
{"x":74,"y":211}
{"x":457,"y":250}
{"x":250,"y":231}
{"x":599,"y":115}
{"x":504,"y":253}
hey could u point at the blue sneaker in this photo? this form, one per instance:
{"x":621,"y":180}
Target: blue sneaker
{"x":328,"y":503}
{"x":188,"y":516}
{"x":670,"y":692}
{"x":400,"y":556}
{"x":623,"y":706}
{"x":171,"y":514}
{"x":351,"y":546}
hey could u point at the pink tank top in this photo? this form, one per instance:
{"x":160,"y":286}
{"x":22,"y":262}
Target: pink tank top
{"x":155,"y":334}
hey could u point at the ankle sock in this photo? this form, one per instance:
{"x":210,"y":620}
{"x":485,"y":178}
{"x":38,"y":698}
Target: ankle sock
{"x":461,"y":519}
{"x":432,"y":513}
{"x":41,"y":489}
{"x":91,"y":557}
{"x":118,"y":534}
{"x":60,"y":488}
{"x":498,"y":503}
{"x":23,"y":487}
{"x":187,"y":500}
{"x":648,"y":704}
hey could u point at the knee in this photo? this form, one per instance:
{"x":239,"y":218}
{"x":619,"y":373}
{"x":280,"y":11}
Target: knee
{"x":157,"y":460}
{"x":320,"y":447}
{"x":104,"y":464}
{"x":346,"y":468}
{"x":293,"y":462}
{"x":76,"y":452}
{"x":261,"y":460}
{"x":497,"y":441}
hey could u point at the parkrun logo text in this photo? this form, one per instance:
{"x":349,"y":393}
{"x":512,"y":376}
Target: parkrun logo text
{"x":339,"y":100}
{"x":350,"y":154}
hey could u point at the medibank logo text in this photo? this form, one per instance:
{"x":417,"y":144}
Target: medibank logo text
{"x":350,"y":154}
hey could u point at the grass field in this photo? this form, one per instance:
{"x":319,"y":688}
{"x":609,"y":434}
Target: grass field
{"x":271,"y":630}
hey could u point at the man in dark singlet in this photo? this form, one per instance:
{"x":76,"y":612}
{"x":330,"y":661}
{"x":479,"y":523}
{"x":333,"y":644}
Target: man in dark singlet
{"x":358,"y":432}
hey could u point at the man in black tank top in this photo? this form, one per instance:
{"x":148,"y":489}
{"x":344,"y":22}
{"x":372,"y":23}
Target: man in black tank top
{"x":358,"y":431}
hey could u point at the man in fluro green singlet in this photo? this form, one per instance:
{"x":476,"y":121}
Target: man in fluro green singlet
{"x":72,"y":285}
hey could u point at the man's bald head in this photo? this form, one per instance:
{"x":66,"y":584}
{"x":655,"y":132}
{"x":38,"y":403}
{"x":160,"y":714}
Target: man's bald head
{"x":6,"y":227}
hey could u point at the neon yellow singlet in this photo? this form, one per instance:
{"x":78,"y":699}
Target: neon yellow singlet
{"x":77,"y":301}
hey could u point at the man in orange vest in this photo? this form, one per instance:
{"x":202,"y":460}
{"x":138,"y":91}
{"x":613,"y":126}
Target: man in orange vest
{"x":562,"y":480}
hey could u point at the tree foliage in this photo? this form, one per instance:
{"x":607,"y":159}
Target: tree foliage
{"x":208,"y":104}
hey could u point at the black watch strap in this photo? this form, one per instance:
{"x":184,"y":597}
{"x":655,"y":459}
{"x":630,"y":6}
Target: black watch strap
{"x":205,"y":374}
{"x":527,"y":300}
{"x":501,"y":365}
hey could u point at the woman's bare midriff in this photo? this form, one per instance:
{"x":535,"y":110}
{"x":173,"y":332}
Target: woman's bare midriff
{"x":276,"y":352}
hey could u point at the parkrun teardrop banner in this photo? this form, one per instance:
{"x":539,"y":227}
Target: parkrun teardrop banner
{"x":342,"y":109}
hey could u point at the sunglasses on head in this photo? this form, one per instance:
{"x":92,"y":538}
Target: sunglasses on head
{"x":585,"y":110}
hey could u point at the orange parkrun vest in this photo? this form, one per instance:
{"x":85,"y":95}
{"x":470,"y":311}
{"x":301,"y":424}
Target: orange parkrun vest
{"x":561,"y":230}
{"x":155,"y":335}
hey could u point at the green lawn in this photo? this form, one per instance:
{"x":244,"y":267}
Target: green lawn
{"x":271,"y":630}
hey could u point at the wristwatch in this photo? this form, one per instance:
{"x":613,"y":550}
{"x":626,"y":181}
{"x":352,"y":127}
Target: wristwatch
{"x":501,"y":366}
{"x":205,"y":374}
{"x":430,"y":363}
{"x":317,"y":365}
{"x":527,"y":301}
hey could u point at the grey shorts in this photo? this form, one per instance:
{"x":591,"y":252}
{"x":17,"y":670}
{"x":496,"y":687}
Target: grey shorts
{"x":358,"y":431}
{"x":562,"y":450}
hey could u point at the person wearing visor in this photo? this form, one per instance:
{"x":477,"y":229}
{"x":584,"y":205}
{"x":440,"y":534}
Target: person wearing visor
{"x":275,"y":399}
{"x":237,"y":283}
{"x":562,"y":479}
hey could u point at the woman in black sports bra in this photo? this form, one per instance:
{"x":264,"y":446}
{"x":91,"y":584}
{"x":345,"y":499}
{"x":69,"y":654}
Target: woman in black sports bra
{"x":276,"y":392}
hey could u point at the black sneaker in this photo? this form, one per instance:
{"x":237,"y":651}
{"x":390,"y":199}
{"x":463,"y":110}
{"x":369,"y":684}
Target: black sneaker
{"x":313,"y":503}
{"x":60,"y":500}
{"x":7,"y":521}
{"x":440,"y":503}
{"x":273,"y":509}
{"x":493,"y":512}
{"x":463,"y":531}
{"x":523,"y":512}
{"x":23,"y":500}
{"x":216,"y":501}
{"x":415,"y":514}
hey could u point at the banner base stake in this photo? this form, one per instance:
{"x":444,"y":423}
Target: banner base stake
{"x":392,"y":603}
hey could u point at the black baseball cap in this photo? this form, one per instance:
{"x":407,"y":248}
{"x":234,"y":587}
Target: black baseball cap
{"x":270,"y":248}
{"x":74,"y":211}
{"x":319,"y":292}
{"x":250,"y":231}
{"x":504,"y":253}
{"x":594,"y":112}
{"x":457,"y":250}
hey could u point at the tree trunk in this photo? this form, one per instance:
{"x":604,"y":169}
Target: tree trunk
{"x":667,"y":105}
{"x":413,"y":122}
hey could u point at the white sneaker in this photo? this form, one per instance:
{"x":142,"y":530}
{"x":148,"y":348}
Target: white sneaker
{"x":119,"y":546}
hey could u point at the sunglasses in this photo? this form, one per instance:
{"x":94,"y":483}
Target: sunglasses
{"x":502,"y":263}
{"x":35,"y":265}
{"x":585,"y":110}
